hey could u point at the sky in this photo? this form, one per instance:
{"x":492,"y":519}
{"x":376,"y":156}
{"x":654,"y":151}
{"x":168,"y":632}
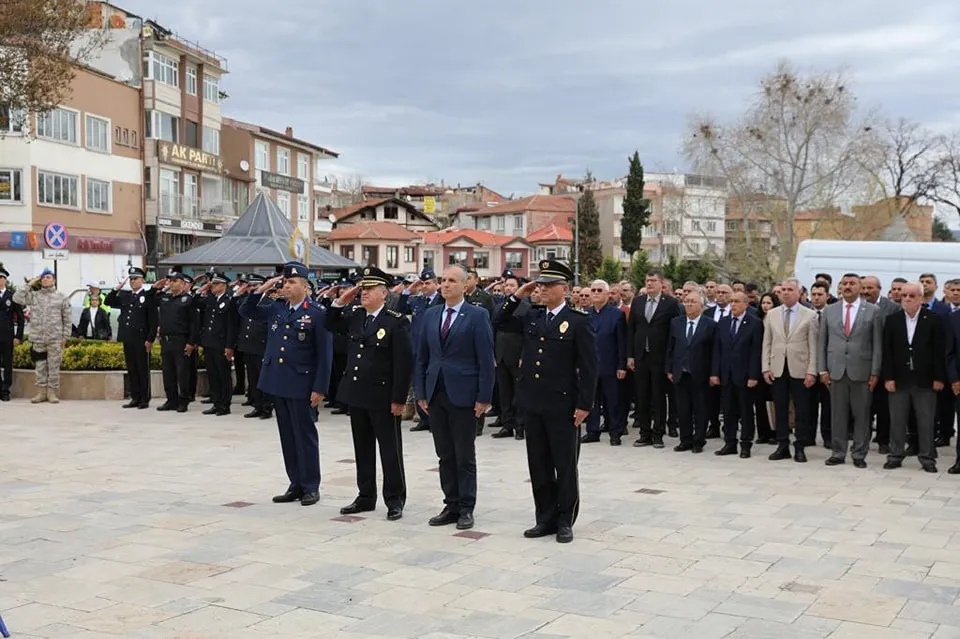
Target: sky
{"x":510,"y":93}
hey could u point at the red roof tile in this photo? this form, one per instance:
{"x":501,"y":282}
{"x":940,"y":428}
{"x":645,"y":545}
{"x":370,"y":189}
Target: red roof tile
{"x":551,"y":233}
{"x":368,"y":230}
{"x":548,"y":203}
{"x":483,"y":238}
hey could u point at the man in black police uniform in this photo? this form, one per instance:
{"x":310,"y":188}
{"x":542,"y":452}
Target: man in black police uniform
{"x":558,"y":379}
{"x":250,"y":336}
{"x":137,"y":332}
{"x":508,"y":345}
{"x":477,"y":296}
{"x":11,"y":333}
{"x":179,"y":331}
{"x":239,"y":361}
{"x":374,"y":386}
{"x":217,"y":350}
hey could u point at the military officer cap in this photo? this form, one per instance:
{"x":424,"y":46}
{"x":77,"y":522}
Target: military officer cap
{"x":217,"y":277}
{"x":372,"y":276}
{"x":179,"y":275}
{"x":4,"y":272}
{"x":344,"y":282}
{"x":552,"y":271}
{"x":473,"y":271}
{"x":295,"y":269}
{"x":428,"y":274}
{"x":241,"y":278}
{"x":253,"y":278}
{"x":136,"y":272}
{"x":507,"y":274}
{"x":186,"y":278}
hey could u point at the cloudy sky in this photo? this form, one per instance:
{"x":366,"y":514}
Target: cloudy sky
{"x":510,"y":93}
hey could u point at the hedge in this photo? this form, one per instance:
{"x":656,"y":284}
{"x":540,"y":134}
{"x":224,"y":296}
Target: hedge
{"x":90,"y":355}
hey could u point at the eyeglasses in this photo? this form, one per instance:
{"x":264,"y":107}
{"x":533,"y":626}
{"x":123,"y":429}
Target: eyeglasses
{"x":597,"y":290}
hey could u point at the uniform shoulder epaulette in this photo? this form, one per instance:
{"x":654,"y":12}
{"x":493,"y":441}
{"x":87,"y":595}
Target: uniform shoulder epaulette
{"x":390,"y":311}
{"x":578,"y":310}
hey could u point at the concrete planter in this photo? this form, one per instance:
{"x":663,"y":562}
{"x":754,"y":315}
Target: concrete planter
{"x":94,"y":384}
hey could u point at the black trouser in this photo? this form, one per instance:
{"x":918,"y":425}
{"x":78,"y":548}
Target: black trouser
{"x":783,"y":389}
{"x":820,"y":411}
{"x":138,"y":371}
{"x":240,"y":366}
{"x":218,"y":375}
{"x":507,"y":374}
{"x":194,"y":365}
{"x":454,"y":430}
{"x":880,"y":408}
{"x":176,"y":369}
{"x":372,"y":429}
{"x":692,"y":409}
{"x":336,"y":374}
{"x":673,"y":416}
{"x":715,"y":399}
{"x":738,"y":407}
{"x":553,"y":451}
{"x":6,"y":366}
{"x":945,"y":402}
{"x":761,"y":395}
{"x":651,"y":397}
{"x":260,"y":400}
{"x":956,"y":403}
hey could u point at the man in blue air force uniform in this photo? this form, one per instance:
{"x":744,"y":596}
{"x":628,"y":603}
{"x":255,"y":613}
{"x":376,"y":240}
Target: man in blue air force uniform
{"x":296,"y":373}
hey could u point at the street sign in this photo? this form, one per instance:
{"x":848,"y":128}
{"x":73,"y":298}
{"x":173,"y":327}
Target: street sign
{"x":56,"y":254}
{"x":55,"y":235}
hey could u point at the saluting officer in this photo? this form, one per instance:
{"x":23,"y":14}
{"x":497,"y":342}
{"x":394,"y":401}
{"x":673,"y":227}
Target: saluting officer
{"x":179,"y":330}
{"x":296,"y":373}
{"x":239,"y":361}
{"x":137,"y":332}
{"x":558,"y":380}
{"x":11,"y":333}
{"x":217,"y":349}
{"x":374,"y":386}
{"x":251,"y":341}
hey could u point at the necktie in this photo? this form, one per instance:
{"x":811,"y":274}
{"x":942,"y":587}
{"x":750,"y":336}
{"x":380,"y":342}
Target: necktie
{"x":651,"y":307}
{"x":734,"y":325}
{"x":846,"y":320}
{"x":445,"y":329}
{"x":723,"y":312}
{"x":689,"y":330}
{"x":549,"y":318}
{"x":786,"y":320}
{"x":367,"y":320}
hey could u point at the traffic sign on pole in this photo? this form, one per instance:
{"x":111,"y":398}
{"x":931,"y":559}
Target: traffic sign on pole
{"x":56,"y":236}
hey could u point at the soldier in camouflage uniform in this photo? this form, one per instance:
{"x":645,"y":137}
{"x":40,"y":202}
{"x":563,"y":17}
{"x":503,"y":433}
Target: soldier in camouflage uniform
{"x":50,"y":326}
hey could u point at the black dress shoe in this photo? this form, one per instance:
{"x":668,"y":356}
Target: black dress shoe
{"x":210,"y":411}
{"x":143,"y":406}
{"x":465,"y":521}
{"x":394,"y":513}
{"x":745,"y":451}
{"x":728,"y":449}
{"x":518,"y":434}
{"x":929,"y":468}
{"x":890,"y":465}
{"x":616,"y":440}
{"x":131,"y":404}
{"x":782,"y":452}
{"x":309,"y":499}
{"x":222,"y":411}
{"x":643,"y":441}
{"x":564,"y":534}
{"x":339,"y":411}
{"x":182,"y":408}
{"x":288,"y":497}
{"x":590,"y":438}
{"x":164,"y":407}
{"x":356,"y":507}
{"x":954,"y":470}
{"x":884,"y":449}
{"x":502,"y":433}
{"x":672,"y":432}
{"x":267,"y":414}
{"x":657,"y":441}
{"x":446,"y":517}
{"x":697,"y":449}
{"x":420,"y":427}
{"x":254,"y":413}
{"x":4,"y":397}
{"x":859,"y":463}
{"x":540,"y":530}
{"x":799,"y":456}
{"x":682,"y":447}
{"x":834,"y":461}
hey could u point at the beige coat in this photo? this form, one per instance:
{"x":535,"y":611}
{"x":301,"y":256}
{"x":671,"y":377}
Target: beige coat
{"x":799,"y":348}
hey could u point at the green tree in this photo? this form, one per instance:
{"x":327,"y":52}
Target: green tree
{"x":671,"y":270}
{"x":680,"y":271}
{"x":639,"y":267}
{"x":636,"y":208}
{"x":588,"y":229}
{"x":610,"y":271}
{"x":942,"y":232}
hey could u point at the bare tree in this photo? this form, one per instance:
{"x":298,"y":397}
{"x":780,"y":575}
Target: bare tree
{"x":351,"y":186}
{"x":947,"y":190}
{"x":798,"y":142}
{"x":41,"y":42}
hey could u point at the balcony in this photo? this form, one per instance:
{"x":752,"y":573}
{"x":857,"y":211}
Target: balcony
{"x":191,"y":208}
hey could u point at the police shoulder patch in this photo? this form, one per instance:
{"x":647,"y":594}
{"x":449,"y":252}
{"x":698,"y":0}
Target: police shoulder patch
{"x":394,"y":313}
{"x":578,"y":310}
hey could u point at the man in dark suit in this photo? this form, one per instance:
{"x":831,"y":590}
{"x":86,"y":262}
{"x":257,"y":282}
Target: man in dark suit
{"x":296,"y":373}
{"x":943,"y":430}
{"x":556,"y":392}
{"x":610,"y":328}
{"x":914,"y":371}
{"x":11,"y":333}
{"x":374,"y":386}
{"x":689,"y":350}
{"x":953,"y":373}
{"x":737,"y":350}
{"x":647,"y":334}
{"x":508,"y":338}
{"x":137,"y":332}
{"x":217,"y":349}
{"x":872,"y":291}
{"x":454,"y":384}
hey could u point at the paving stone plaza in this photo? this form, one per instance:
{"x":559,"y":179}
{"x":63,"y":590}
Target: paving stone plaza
{"x":119,"y":523}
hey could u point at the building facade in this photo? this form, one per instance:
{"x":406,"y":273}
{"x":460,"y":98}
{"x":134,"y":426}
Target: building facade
{"x":489,"y":253}
{"x":386,"y":245}
{"x":522,"y":217}
{"x":689,"y":216}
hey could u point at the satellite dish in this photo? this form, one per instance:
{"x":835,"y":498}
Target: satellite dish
{"x":332,"y":218}
{"x":244,"y":165}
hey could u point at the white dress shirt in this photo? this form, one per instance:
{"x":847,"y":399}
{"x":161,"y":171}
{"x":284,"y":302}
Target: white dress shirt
{"x":453,"y":318}
{"x":911,"y":326}
{"x":855,"y":306}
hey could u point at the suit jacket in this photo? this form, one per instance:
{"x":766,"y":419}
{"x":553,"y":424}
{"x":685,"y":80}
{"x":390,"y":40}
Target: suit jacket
{"x":859,"y":355}
{"x":299,"y":351}
{"x":887,"y":306}
{"x":11,"y":318}
{"x":927,"y":353}
{"x":379,"y":358}
{"x":736,"y":358}
{"x":138,"y":315}
{"x":798,"y":349}
{"x":692,"y":357}
{"x":654,"y":333}
{"x":953,"y":352}
{"x":101,"y":324}
{"x":610,"y":326}
{"x":465,"y":359}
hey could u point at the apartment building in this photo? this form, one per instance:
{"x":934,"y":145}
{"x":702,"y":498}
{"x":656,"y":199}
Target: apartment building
{"x":78,"y":166}
{"x":522,"y":217}
{"x":488,"y":253}
{"x":688,"y":219}
{"x":282,"y":166}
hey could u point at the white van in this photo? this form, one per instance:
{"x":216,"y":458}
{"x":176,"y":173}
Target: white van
{"x":886,"y":260}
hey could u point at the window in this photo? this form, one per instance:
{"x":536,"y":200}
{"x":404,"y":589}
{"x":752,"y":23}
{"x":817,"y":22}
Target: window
{"x":211,"y":89}
{"x":261,"y":159}
{"x":347,"y":251}
{"x":483,"y":223}
{"x":211,"y":140}
{"x":514,"y":259}
{"x":59,"y":125}
{"x":481,"y":260}
{"x":303,"y":166}
{"x":55,"y":189}
{"x":169,"y":192}
{"x":457,"y":257}
{"x":191,"y":193}
{"x":163,"y":69}
{"x":500,"y":223}
{"x":711,"y":227}
{"x":162,"y":126}
{"x":409,"y":254}
{"x":283,"y":161}
{"x":518,"y":223}
{"x":617,"y":228}
{"x":731,"y":226}
{"x":428,"y":259}
{"x":147,"y":183}
{"x":390,"y":212}
{"x":672,"y":227}
{"x":98,"y":196}
{"x":12,"y":120}
{"x":283,"y":202}
{"x":695,"y":225}
{"x":191,"y":134}
{"x":191,"y":80}
{"x":303,"y":208}
{"x":370,"y":255}
{"x":11,"y":190}
{"x":393,"y":256}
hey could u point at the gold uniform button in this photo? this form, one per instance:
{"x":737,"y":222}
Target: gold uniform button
{"x":280,"y":360}
{"x":283,"y":349}
{"x":542,"y":339}
{"x":287,"y":326}
{"x":359,"y":356}
{"x":354,"y":378}
{"x":361,"y":346}
{"x":540,"y":351}
{"x":284,"y":337}
{"x":356,"y":368}
{"x":536,"y":376}
{"x":538,"y":363}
